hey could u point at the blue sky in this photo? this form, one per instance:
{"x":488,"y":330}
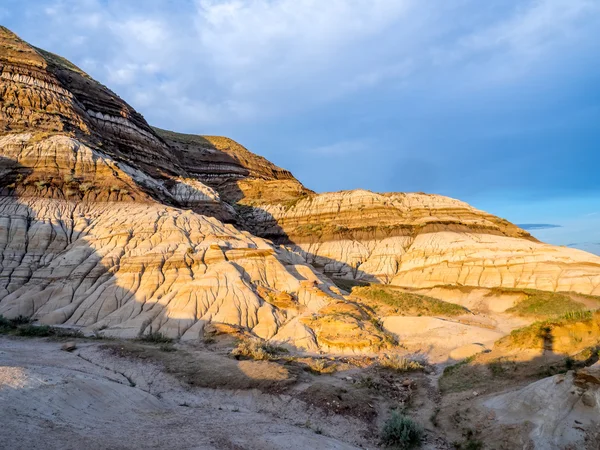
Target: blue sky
{"x":495,"y":102}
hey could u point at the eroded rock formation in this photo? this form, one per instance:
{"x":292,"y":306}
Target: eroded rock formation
{"x":108,"y":224}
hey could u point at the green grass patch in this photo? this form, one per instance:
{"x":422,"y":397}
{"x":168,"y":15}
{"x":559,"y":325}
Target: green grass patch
{"x":407,"y":303}
{"x":544,"y":304}
{"x":534,"y":335}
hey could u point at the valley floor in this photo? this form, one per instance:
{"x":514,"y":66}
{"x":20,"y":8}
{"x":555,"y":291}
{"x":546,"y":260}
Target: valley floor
{"x":119,"y":394}
{"x":89,"y":399}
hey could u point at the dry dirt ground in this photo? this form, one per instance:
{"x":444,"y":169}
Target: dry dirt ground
{"x":112,"y":394}
{"x":94,"y":399}
{"x":129,"y":395}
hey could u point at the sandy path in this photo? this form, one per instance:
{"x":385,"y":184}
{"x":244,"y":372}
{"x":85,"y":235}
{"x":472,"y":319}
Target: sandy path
{"x":51,"y":399}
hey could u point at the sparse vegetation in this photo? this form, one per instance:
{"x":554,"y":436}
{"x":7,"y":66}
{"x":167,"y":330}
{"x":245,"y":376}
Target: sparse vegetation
{"x":254,"y":348}
{"x":399,"y":363}
{"x":167,"y":347}
{"x":449,"y":370}
{"x":23,"y":326}
{"x":69,"y":178}
{"x":155,"y":337}
{"x":406,"y":303}
{"x":401,"y":432}
{"x":41,"y":184}
{"x":540,"y":334}
{"x":86,"y":187}
{"x":34,"y":331}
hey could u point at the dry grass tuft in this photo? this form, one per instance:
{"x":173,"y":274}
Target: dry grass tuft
{"x":399,"y":363}
{"x":257,"y":349}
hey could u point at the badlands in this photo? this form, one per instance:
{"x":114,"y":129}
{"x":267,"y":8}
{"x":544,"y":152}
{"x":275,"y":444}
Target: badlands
{"x":164,"y":290}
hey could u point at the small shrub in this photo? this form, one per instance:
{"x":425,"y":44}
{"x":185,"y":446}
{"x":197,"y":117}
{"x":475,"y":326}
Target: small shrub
{"x":368,"y":382}
{"x":5,"y":324}
{"x":449,"y":370}
{"x":569,"y":363}
{"x":256,"y":349}
{"x":65,"y":333}
{"x":155,"y":337}
{"x":496,"y":368}
{"x":21,"y":320}
{"x":401,"y":432}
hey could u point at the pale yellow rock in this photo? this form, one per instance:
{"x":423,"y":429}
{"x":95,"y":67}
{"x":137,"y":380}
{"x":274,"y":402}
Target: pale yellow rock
{"x":125,"y":268}
{"x":421,"y":241}
{"x":435,"y":335}
{"x":466,"y":351}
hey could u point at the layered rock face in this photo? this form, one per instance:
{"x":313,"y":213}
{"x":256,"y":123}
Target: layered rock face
{"x":45,"y":95}
{"x":414,"y":240}
{"x":109,"y":258}
{"x":238,"y":174}
{"x":130,"y":268}
{"x":100,"y":225}
{"x":419,"y":240}
{"x":108,"y":224}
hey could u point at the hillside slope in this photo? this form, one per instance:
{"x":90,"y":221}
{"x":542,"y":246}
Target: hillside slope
{"x":407,"y":239}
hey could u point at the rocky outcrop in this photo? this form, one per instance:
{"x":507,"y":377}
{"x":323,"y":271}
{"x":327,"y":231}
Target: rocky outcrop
{"x":559,"y":411}
{"x":235,"y":172}
{"x":419,"y":240}
{"x":84,"y":245}
{"x":414,"y":240}
{"x":44,"y":95}
{"x":129,"y":268}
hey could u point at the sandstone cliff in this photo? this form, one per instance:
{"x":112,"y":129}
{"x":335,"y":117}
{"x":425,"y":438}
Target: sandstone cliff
{"x":420,"y":240}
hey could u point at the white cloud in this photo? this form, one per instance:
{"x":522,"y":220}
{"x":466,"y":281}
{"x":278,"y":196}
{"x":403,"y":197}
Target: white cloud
{"x":209,"y":61}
